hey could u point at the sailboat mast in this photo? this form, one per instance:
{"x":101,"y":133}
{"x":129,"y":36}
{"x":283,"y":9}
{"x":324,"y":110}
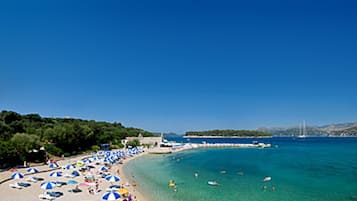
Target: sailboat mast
{"x":304,"y":131}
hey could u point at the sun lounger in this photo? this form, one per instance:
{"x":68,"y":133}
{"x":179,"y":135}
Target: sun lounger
{"x":69,"y":175}
{"x":23,"y":184}
{"x":15,"y":185}
{"x":60,"y":183}
{"x":46,"y":197}
{"x":55,"y":194}
{"x":75,"y":190}
{"x":34,"y":179}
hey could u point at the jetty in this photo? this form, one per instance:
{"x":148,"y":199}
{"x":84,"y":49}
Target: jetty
{"x":186,"y":146}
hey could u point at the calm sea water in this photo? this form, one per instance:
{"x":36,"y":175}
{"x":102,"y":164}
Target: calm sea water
{"x":311,"y":169}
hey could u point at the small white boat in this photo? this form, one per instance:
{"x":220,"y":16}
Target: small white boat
{"x":212,"y":183}
{"x":267,"y":178}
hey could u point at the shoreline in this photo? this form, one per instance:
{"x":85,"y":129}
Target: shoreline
{"x":125,"y":178}
{"x":196,"y":136}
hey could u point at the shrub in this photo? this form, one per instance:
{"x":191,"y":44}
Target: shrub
{"x":52,"y":149}
{"x":95,"y":148}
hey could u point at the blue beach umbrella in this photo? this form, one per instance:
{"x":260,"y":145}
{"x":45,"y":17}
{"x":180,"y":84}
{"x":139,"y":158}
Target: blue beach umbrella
{"x":86,"y":161}
{"x":32,"y":170}
{"x":112,"y":195}
{"x":112,"y":178}
{"x":75,"y":173}
{"x":55,"y":174}
{"x":69,"y":182}
{"x":48,"y":185}
{"x":17,"y":175}
{"x":103,"y":168}
{"x":53,"y":165}
{"x":69,"y":166}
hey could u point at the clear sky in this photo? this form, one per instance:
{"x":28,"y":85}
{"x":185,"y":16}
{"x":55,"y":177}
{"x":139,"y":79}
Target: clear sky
{"x":181,"y":65}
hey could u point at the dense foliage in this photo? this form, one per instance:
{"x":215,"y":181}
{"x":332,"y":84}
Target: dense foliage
{"x":31,"y":137}
{"x":228,"y":133}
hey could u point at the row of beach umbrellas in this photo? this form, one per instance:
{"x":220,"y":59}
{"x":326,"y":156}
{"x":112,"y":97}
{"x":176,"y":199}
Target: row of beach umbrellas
{"x":103,"y":156}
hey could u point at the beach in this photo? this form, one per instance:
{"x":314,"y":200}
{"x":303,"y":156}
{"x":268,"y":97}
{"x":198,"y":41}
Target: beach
{"x":32,"y":192}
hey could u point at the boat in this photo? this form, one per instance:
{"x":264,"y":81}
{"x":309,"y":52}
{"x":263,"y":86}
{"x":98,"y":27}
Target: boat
{"x":267,"y":178}
{"x":302,"y":131}
{"x":172,"y":183}
{"x":212,"y":183}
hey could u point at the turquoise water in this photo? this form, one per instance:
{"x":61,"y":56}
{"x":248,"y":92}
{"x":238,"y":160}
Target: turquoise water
{"x":313,"y":169}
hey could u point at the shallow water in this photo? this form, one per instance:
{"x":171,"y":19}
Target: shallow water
{"x":312,"y":169}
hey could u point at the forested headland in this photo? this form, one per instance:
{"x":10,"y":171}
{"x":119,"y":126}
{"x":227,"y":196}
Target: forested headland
{"x":229,"y":133}
{"x":31,"y":137}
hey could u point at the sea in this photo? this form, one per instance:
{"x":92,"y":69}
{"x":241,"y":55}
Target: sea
{"x":307,"y":169}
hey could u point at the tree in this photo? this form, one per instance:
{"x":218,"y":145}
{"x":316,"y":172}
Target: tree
{"x":24,"y":143}
{"x":133,"y":143}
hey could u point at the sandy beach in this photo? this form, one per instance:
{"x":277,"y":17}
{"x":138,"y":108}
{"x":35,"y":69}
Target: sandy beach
{"x":32,"y":192}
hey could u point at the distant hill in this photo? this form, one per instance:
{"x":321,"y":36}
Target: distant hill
{"x":228,"y":133}
{"x":352,"y":131}
{"x":342,"y":129}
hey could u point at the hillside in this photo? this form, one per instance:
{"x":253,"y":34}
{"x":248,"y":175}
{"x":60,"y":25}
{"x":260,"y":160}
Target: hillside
{"x":31,"y":137}
{"x":342,"y":129}
{"x":352,"y":131}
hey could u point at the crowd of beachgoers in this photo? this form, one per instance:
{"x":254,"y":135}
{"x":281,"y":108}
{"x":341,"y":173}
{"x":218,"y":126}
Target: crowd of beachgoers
{"x":95,"y":177}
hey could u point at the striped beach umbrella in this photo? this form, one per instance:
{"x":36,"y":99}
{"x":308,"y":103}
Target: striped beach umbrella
{"x":112,"y":178}
{"x":17,"y":175}
{"x":103,"y":168}
{"x":53,"y":165}
{"x":112,"y":195}
{"x":48,"y":185}
{"x":55,"y":174}
{"x":86,"y":161}
{"x":69,"y":166}
{"x":32,"y":170}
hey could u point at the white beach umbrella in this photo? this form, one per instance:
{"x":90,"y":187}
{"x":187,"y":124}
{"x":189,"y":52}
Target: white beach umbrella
{"x":53,"y":165}
{"x":69,"y":166}
{"x":55,"y":174}
{"x":17,"y":175}
{"x":103,"y":168}
{"x":32,"y":170}
{"x":112,"y":178}
{"x":112,"y":195}
{"x":48,"y":185}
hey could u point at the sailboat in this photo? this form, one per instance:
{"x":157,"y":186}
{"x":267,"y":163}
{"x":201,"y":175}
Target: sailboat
{"x":303,"y":131}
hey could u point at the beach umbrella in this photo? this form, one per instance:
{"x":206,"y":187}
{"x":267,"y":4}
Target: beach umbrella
{"x":112,"y":178}
{"x":55,"y":174}
{"x":86,"y":161}
{"x":53,"y":165}
{"x":71,"y":182}
{"x":86,"y":184}
{"x":32,"y":170}
{"x":17,"y":175}
{"x":112,"y":195}
{"x":69,"y":166}
{"x":103,"y":168}
{"x":75,"y":173}
{"x":48,"y":185}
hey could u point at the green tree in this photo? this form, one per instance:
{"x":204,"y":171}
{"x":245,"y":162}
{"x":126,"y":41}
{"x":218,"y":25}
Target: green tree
{"x":133,"y":143}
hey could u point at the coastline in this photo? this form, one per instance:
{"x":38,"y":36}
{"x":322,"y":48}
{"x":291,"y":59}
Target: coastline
{"x":126,"y":178}
{"x":216,"y":136}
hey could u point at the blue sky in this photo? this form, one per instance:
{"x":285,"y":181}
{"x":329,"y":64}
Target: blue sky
{"x":181,"y":65}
